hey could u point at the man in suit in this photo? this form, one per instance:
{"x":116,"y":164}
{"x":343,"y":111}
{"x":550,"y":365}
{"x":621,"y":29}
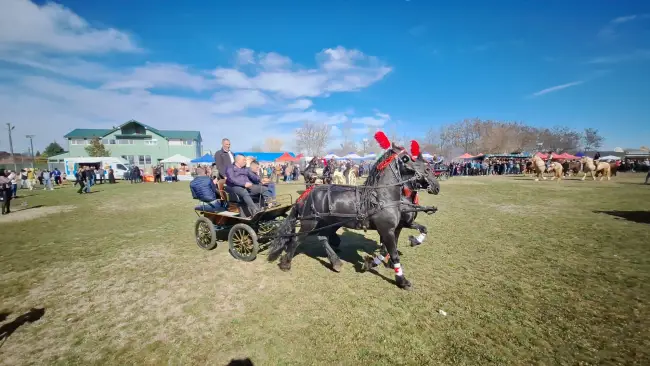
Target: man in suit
{"x":223,"y":158}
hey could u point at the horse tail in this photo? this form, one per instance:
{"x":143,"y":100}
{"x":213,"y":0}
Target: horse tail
{"x":284,"y":234}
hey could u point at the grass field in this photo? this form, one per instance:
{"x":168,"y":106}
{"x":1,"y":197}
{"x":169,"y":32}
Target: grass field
{"x":528,"y":273}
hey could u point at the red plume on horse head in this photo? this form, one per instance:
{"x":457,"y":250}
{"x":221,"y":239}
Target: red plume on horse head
{"x":415,"y":148}
{"x":382,"y":140}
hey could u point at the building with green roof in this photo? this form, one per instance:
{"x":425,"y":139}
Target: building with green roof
{"x":137,"y":143}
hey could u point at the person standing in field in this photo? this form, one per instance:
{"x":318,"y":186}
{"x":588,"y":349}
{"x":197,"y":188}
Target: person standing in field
{"x":5,"y":191}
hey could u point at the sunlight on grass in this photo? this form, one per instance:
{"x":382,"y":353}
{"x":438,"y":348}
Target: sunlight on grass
{"x":527,"y":273}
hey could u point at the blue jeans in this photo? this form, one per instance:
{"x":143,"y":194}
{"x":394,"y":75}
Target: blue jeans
{"x":271,"y":188}
{"x":14,"y":190}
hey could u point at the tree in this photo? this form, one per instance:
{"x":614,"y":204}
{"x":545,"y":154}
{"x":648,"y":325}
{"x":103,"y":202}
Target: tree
{"x":592,"y":139}
{"x":53,"y":149}
{"x":272,"y":144}
{"x":313,"y":138}
{"x":256,"y":148}
{"x":38,"y":153}
{"x":96,"y":148}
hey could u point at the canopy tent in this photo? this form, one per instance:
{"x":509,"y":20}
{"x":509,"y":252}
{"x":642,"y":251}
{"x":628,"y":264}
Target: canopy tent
{"x":465,"y":156}
{"x":351,"y":156}
{"x":207,"y":159}
{"x":508,"y":156}
{"x":371,"y":156}
{"x":610,"y":157}
{"x":580,"y":154}
{"x":300,"y":156}
{"x":176,"y":159}
{"x":567,"y":156}
{"x":286,"y":157}
{"x":263,"y":157}
{"x":426,"y":155}
{"x":330,"y":156}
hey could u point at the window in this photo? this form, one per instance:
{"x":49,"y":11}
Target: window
{"x":188,"y":142}
{"x":125,"y":142}
{"x":147,"y":159}
{"x":108,"y":141}
{"x":79,"y":142}
{"x":151,"y":142}
{"x":141,"y":160}
{"x":175,"y":142}
{"x":120,"y":167}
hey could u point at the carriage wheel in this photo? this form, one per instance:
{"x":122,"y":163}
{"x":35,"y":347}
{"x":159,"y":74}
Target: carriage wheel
{"x":206,"y":237}
{"x":352,"y":179}
{"x":242,"y":240}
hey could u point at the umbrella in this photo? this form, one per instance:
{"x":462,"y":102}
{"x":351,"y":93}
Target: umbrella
{"x":465,"y":156}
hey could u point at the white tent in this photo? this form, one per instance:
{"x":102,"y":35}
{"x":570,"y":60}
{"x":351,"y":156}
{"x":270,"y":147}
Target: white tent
{"x":176,"y":159}
{"x":372,"y":156}
{"x":352,"y":156}
{"x":331,"y":156}
{"x":609,"y":157}
{"x":426,"y":155}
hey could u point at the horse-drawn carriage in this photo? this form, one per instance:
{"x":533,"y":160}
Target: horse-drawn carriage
{"x":231,"y":220}
{"x":441,"y":174}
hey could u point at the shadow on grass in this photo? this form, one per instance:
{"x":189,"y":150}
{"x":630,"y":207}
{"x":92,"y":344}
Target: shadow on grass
{"x":642,"y":217}
{"x":241,"y":362}
{"x":30,"y":208}
{"x":29,"y":317}
{"x":351,"y":244}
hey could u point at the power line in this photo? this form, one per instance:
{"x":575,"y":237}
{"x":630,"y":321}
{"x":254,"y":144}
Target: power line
{"x":31,"y":144}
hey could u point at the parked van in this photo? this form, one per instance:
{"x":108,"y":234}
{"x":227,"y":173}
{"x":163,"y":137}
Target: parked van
{"x":119,"y":166}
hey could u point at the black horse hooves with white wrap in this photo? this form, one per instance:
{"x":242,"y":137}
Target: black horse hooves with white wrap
{"x":377,"y":205}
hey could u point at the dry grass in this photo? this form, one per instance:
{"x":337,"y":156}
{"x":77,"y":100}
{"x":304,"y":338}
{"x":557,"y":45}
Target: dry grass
{"x":528,"y":273}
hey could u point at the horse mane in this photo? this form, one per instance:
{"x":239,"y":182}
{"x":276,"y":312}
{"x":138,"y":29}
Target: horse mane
{"x":375,"y":171}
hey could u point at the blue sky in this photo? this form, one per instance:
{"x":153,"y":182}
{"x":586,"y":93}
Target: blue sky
{"x":253,"y":69}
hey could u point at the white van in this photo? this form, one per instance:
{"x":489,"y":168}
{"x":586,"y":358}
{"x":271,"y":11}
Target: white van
{"x":119,"y":166}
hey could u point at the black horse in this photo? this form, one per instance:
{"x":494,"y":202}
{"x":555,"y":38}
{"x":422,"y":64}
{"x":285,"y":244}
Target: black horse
{"x":310,"y":174}
{"x":375,"y":206}
{"x":410,"y":200}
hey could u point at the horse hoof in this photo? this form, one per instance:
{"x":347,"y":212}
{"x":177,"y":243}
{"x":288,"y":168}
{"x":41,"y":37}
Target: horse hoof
{"x":414,"y":242}
{"x":367,"y":264}
{"x":403,"y":283}
{"x":336,"y":266}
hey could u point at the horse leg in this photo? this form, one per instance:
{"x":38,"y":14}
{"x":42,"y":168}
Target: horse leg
{"x":419,"y":239}
{"x":391,"y":245}
{"x":332,"y":240}
{"x":287,"y":257}
{"x":584,"y":175}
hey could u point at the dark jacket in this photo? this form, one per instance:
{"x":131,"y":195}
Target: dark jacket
{"x":222,"y":160}
{"x":203,"y":189}
{"x":236,"y":176}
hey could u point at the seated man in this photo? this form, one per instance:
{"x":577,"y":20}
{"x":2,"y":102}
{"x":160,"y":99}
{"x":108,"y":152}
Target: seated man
{"x":255,"y":168}
{"x":204,"y":189}
{"x":244,"y":182}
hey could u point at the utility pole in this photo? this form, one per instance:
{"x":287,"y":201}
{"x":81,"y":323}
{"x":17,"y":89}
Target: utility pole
{"x":31,"y":144}
{"x":11,"y":146}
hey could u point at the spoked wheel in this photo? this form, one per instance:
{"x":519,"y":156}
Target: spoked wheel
{"x":206,"y":237}
{"x":242,"y":240}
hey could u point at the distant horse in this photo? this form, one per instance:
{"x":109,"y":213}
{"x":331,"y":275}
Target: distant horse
{"x":311,"y":173}
{"x":588,"y":166}
{"x":575,"y":167}
{"x":540,"y":167}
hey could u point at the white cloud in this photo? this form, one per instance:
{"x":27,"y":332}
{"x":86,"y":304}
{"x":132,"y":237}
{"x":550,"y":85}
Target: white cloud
{"x":52,"y":82}
{"x":610,"y":31}
{"x":300,"y":104}
{"x":613,"y":59}
{"x":557,"y":88}
{"x":52,"y":27}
